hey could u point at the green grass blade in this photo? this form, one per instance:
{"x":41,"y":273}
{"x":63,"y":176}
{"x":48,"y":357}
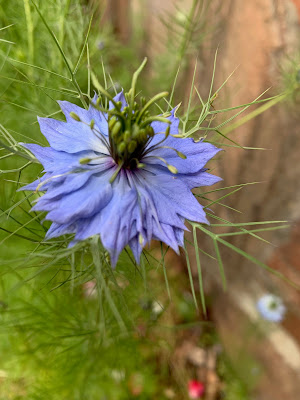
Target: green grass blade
{"x":220,"y":263}
{"x":191,"y":278}
{"x":200,"y":278}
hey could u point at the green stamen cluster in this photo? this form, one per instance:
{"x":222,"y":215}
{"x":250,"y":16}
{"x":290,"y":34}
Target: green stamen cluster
{"x":129,"y":132}
{"x":273,"y":305}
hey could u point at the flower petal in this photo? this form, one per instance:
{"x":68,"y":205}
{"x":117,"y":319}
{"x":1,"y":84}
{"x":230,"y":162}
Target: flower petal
{"x":53,"y":160}
{"x":119,"y":97}
{"x":197,"y":154}
{"x":57,"y":230}
{"x":160,"y":127}
{"x":82,"y":203}
{"x":71,"y":138}
{"x":114,"y":222}
{"x":172,"y":198}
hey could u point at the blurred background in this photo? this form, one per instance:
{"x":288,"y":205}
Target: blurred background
{"x":54,"y":351}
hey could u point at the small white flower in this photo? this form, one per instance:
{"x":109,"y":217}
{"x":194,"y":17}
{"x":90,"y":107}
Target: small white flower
{"x":271,"y":308}
{"x":157,"y":308}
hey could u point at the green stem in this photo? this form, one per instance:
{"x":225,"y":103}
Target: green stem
{"x":132,"y":90}
{"x":255,"y":113}
{"x":72,"y":76}
{"x":29,"y":25}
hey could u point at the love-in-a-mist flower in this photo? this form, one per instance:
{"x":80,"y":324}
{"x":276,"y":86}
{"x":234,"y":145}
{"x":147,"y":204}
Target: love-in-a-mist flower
{"x":271,"y":308}
{"x":121,"y":174}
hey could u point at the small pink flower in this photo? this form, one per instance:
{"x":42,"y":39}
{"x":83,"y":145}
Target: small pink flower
{"x":196,"y":389}
{"x":90,"y":289}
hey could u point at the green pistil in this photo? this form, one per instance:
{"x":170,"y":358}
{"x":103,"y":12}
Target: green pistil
{"x":130,"y":131}
{"x":273,"y":305}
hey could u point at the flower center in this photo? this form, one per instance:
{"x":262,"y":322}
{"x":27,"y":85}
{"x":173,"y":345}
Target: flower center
{"x":273,"y":305}
{"x":129,"y":132}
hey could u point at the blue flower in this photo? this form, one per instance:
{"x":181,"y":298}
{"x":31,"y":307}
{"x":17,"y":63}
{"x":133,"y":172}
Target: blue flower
{"x":120,"y":174}
{"x":271,"y":308}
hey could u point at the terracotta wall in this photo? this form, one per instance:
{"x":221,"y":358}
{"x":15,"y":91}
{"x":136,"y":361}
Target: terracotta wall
{"x":262,"y":38}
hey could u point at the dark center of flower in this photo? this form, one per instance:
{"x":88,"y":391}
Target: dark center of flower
{"x":129,"y":132}
{"x":273,"y":305}
{"x":129,"y":128}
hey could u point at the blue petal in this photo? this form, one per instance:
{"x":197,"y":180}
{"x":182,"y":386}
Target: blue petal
{"x":69,"y":183}
{"x":115,"y":222}
{"x":172,"y":198}
{"x":57,"y":230}
{"x":53,"y":160}
{"x":68,"y":107}
{"x":197,"y":153}
{"x":86,"y":116}
{"x":194,"y":180}
{"x":71,"y":138}
{"x":199,"y":179}
{"x":119,"y":97}
{"x":160,"y":127}
{"x":99,"y":118}
{"x":34,"y":185}
{"x":82,"y":203}
{"x":136,"y":248}
{"x":165,"y":233}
